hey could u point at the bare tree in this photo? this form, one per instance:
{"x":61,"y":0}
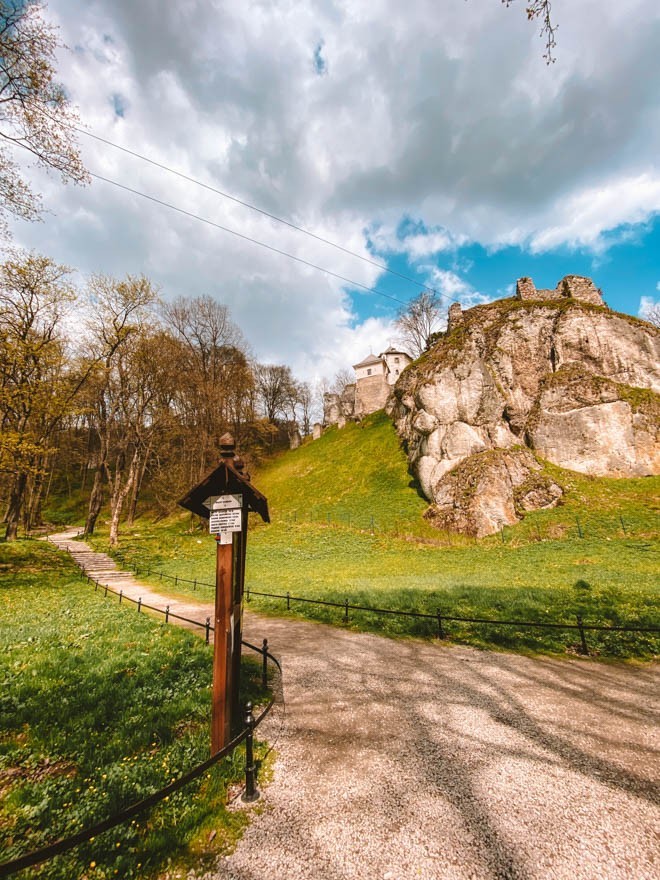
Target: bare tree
{"x":341,"y":380}
{"x":216,"y":387}
{"x":305,"y":400}
{"x":275,"y":384}
{"x":651,"y":312}
{"x":541,"y":10}
{"x":35,"y":113}
{"x":418,"y":320}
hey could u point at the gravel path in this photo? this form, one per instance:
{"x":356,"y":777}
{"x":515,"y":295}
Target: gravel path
{"x":403,"y":759}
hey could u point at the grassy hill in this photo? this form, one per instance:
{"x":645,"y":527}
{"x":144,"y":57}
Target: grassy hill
{"x":357,"y":476}
{"x":347,"y":524}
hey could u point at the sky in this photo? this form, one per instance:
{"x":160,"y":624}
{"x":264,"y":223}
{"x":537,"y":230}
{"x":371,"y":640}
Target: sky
{"x":430,"y":138}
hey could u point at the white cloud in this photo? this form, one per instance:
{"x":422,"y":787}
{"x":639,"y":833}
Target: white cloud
{"x":414,"y":240}
{"x":444,"y":112}
{"x":582,"y":218}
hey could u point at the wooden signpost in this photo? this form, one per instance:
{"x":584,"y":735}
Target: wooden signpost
{"x":224,"y":498}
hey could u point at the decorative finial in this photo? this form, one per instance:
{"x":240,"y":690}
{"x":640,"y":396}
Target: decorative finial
{"x":227,"y":446}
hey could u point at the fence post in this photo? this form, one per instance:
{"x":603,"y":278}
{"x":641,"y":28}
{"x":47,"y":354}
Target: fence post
{"x":288,"y":601}
{"x":251,"y":793}
{"x":106,"y":591}
{"x":584,"y":648}
{"x":345,"y":610}
{"x":264,"y":664}
{"x":579,"y":527}
{"x":208,"y":629}
{"x":247,"y":593}
{"x":195,"y":584}
{"x":139,"y":604}
{"x":167,"y":614}
{"x":441,"y":632}
{"x":121,"y":595}
{"x":176,"y":581}
{"x":623,"y":525}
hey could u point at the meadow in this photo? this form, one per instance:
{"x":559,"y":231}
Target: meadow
{"x":100,"y":707}
{"x":347,"y":524}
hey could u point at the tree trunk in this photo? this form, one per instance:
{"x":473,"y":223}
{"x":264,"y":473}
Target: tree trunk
{"x":95,"y":499}
{"x":16,"y":501}
{"x":119,"y":495}
{"x":137,"y":485}
{"x":32,"y":509}
{"x":101,"y":473}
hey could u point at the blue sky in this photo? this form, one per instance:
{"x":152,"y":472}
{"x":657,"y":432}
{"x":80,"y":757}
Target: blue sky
{"x":431,"y":136}
{"x":627,"y":271}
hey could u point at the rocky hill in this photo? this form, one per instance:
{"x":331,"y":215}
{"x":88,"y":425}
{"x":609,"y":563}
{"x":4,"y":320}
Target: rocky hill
{"x":546,"y":375}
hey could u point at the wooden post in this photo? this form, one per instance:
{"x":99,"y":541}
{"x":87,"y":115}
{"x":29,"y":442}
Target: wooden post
{"x":227,"y":488}
{"x":222,"y":648}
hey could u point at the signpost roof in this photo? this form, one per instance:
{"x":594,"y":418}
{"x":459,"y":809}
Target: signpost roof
{"x":226,"y":479}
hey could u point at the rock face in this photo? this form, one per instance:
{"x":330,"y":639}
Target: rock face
{"x":491,"y":489}
{"x":563,"y":376}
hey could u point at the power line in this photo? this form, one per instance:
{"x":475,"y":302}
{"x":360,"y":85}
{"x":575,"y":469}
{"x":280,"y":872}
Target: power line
{"x":383,"y":267}
{"x":246,"y":238}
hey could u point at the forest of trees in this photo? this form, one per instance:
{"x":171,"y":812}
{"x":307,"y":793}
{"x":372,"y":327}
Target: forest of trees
{"x":112,"y":392}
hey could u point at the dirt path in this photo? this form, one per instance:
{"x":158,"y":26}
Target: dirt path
{"x":405,"y":759}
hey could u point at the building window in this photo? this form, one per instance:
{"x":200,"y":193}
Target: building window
{"x":368,"y":372}
{"x":396,"y":361}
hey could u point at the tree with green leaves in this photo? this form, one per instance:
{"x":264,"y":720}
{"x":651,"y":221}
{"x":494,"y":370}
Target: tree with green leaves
{"x":35,"y":113}
{"x":37,"y":385}
{"x":121,"y":313}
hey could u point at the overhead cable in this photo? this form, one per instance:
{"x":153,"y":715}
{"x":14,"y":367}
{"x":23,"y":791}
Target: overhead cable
{"x":382,"y":266}
{"x":247,"y":238}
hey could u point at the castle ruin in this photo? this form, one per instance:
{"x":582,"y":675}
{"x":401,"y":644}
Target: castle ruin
{"x":376,"y":375}
{"x":374,"y":378}
{"x":571,"y":286}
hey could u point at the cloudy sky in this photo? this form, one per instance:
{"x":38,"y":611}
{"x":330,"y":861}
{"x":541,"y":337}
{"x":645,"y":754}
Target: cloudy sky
{"x":428,"y":136}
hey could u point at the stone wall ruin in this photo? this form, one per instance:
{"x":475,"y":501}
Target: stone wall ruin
{"x":570,"y":287}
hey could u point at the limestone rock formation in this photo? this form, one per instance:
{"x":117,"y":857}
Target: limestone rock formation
{"x":491,"y":489}
{"x":561,"y":375}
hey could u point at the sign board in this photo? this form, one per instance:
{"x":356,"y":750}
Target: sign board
{"x":227,"y":520}
{"x":225,"y":538}
{"x":223,"y":502}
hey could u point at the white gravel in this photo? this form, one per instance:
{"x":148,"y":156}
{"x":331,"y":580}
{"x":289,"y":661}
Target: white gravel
{"x":402,"y":760}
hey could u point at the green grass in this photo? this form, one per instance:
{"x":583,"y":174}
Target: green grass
{"x":99,"y":707}
{"x":356,"y":476}
{"x":347,"y":523}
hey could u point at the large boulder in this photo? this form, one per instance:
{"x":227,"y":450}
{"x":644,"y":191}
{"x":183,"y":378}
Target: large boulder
{"x":491,"y":489}
{"x":570,"y":380}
